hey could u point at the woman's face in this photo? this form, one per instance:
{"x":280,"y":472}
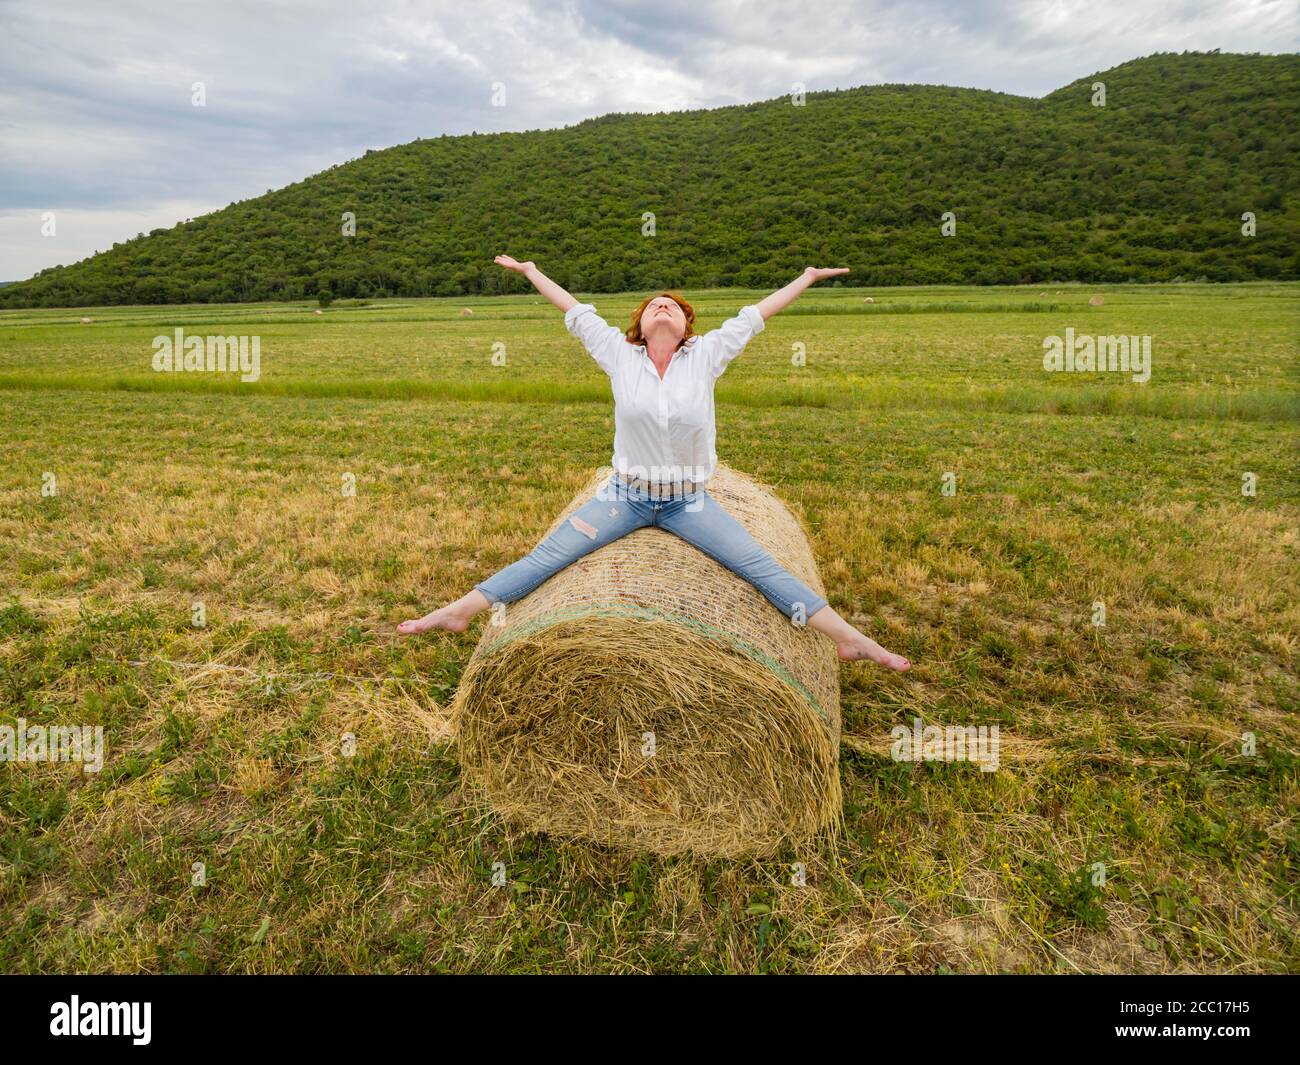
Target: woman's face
{"x":663,"y":316}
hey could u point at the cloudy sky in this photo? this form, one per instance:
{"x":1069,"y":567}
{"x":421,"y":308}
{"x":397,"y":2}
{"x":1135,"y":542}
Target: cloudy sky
{"x":98,"y":122}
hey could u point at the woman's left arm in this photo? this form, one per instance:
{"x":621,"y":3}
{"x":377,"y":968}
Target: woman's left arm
{"x":728,"y":340}
{"x":783,"y":297}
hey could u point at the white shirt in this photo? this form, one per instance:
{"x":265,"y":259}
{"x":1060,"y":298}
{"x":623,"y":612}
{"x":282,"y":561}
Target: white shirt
{"x":664,"y":429}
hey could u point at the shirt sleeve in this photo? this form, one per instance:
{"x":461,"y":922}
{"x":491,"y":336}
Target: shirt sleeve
{"x":602,"y":340}
{"x":729,"y":339}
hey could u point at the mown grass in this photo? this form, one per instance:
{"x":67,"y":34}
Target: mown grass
{"x":1229,"y":340}
{"x":1121,"y":744}
{"x":1239,"y":404}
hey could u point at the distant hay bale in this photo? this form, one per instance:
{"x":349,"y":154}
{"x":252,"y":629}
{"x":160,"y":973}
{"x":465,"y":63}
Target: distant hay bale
{"x":318,"y":311}
{"x":86,"y":321}
{"x":649,"y":636}
{"x":869,"y":299}
{"x":466,"y":312}
{"x":1096,"y":301}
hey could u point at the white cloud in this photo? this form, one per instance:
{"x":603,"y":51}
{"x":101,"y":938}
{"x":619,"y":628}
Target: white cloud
{"x":98,"y":122}
{"x":78,"y":233}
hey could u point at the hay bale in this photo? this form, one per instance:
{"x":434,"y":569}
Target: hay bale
{"x":649,"y":635}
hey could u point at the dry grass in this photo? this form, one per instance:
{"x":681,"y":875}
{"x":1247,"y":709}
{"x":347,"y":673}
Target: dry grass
{"x":1120,"y":745}
{"x":647,"y":637}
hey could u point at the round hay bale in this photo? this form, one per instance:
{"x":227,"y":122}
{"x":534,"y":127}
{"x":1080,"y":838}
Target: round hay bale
{"x":1096,"y":301}
{"x":649,"y":637}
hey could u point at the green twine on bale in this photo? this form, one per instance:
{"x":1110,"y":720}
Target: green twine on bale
{"x":711,"y":632}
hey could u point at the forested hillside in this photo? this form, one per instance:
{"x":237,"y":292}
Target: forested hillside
{"x":1149,"y":187}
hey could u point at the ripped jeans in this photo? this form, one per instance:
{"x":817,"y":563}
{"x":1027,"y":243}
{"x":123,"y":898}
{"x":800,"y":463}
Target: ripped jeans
{"x":618,"y":509}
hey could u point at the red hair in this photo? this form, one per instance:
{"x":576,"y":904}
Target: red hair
{"x":634,"y":334}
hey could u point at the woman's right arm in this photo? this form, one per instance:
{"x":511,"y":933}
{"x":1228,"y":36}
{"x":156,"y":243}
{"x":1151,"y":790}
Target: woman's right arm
{"x":604,"y":342}
{"x":541,"y":282}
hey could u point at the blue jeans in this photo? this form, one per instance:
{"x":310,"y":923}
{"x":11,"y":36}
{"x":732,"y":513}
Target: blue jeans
{"x":618,"y":509}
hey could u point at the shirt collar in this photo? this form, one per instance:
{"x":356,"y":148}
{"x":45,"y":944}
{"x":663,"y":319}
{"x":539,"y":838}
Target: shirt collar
{"x":690,"y":343}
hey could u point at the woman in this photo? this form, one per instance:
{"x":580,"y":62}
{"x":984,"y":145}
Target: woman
{"x":662,"y":375}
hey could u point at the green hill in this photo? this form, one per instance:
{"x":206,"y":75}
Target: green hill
{"x":1150,"y":187}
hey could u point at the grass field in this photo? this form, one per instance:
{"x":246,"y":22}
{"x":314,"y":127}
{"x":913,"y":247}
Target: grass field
{"x":1121,"y":744}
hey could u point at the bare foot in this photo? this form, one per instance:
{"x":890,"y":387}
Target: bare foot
{"x":443,"y":618}
{"x":863,"y":647}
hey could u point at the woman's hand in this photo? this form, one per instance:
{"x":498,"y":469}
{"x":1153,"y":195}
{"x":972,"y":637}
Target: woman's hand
{"x":513,"y":264}
{"x":541,"y":282}
{"x":782,"y":298}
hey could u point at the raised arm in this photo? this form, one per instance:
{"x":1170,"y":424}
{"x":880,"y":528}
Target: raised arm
{"x":783,"y":297}
{"x":541,"y":282}
{"x":604,"y":342}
